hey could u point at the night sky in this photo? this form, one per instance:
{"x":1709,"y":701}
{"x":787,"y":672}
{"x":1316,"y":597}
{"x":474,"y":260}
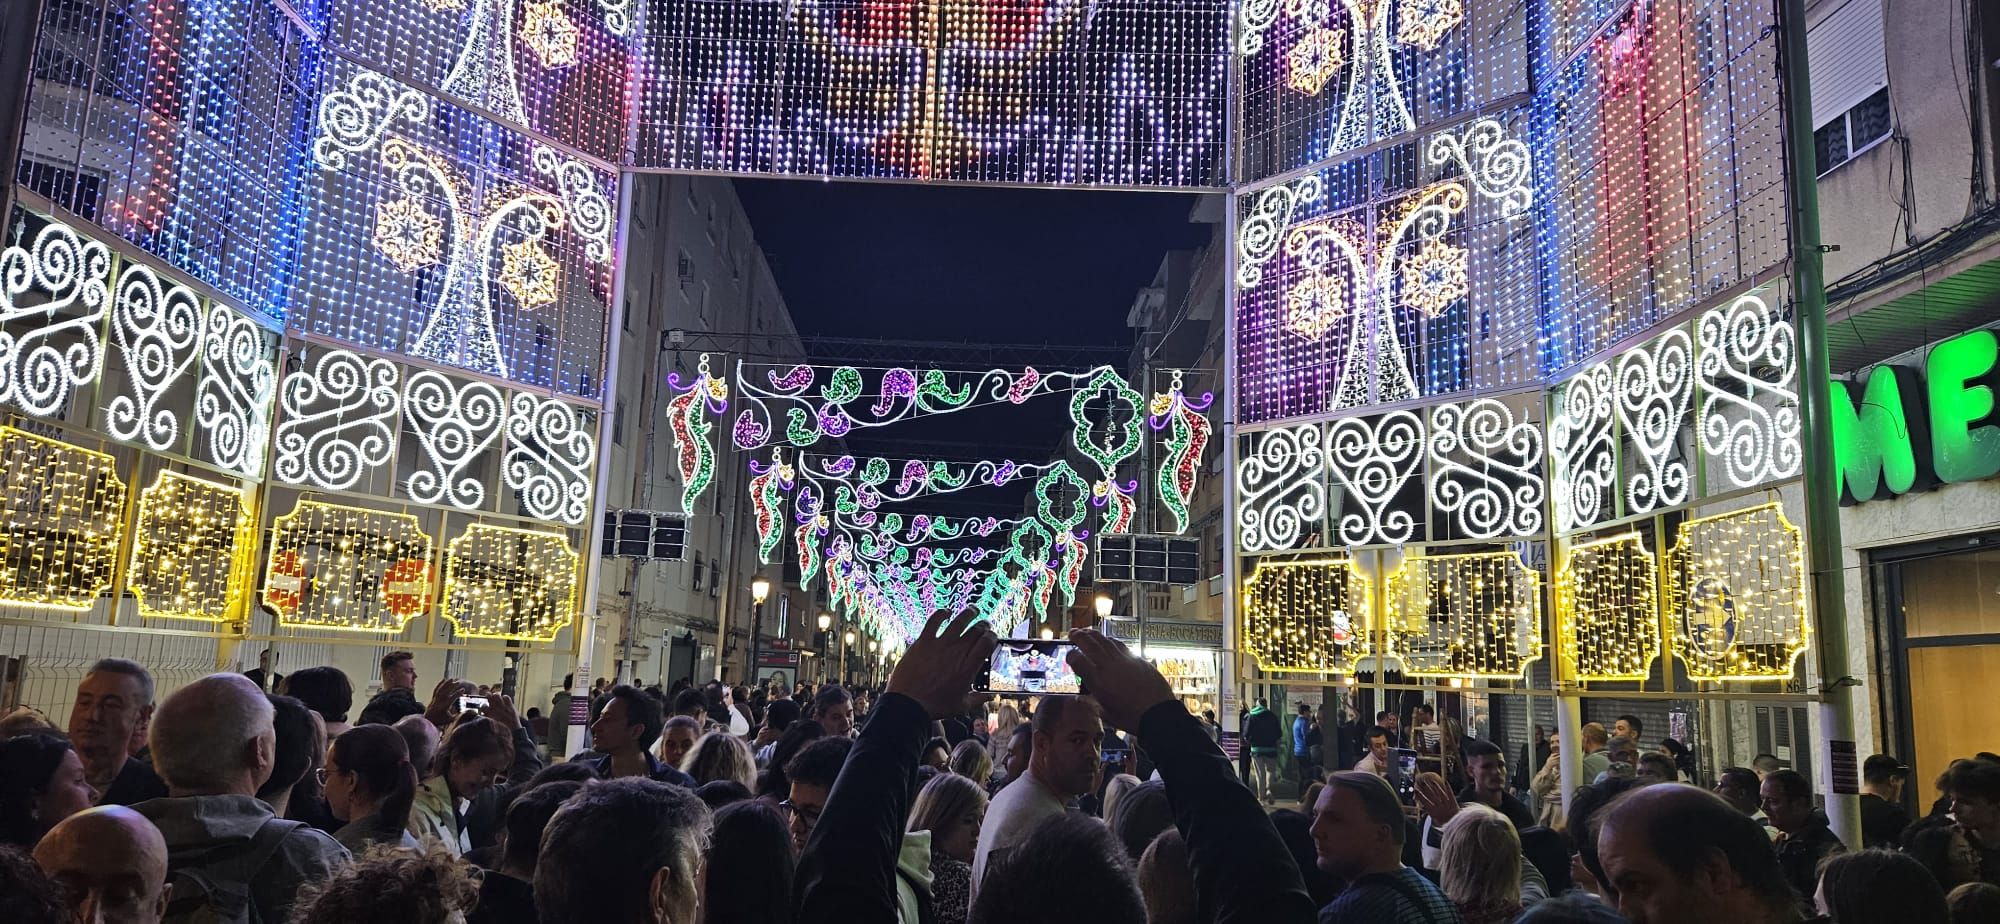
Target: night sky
{"x":954,"y":263}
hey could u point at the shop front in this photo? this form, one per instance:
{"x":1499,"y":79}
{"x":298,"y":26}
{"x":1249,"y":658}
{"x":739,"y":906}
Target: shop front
{"x":1188,"y":653}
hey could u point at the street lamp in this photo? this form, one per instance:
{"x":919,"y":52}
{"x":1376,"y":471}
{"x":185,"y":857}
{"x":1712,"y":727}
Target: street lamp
{"x":760,"y":590}
{"x":825,"y":641}
{"x":846,"y":655}
{"x":849,"y":637}
{"x":1048,"y":634}
{"x":1103,"y":606}
{"x":825,"y":621}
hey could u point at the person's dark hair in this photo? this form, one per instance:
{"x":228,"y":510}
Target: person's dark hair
{"x":391,"y":885}
{"x":1974,"y":902}
{"x":717,"y":793}
{"x":1573,"y":907}
{"x":26,"y":764}
{"x":1295,"y":829}
{"x":380,"y":760}
{"x":1070,"y":862}
{"x":1544,"y":848}
{"x":1378,"y":801}
{"x":601,"y":850}
{"x":1584,"y":806}
{"x":1633,"y":721}
{"x":832,"y":694}
{"x":641,"y":710}
{"x":28,"y":895}
{"x":1738,"y":778}
{"x":1931,"y":842}
{"x":780,"y":714}
{"x":753,"y":843}
{"x":1976,"y":779}
{"x":292,"y":750}
{"x":1880,"y":887}
{"x":1661,"y":764}
{"x":1699,"y":824}
{"x":1050,"y":713}
{"x":421,"y":737}
{"x":773,"y":782}
{"x":570,"y":771}
{"x":819,"y":764}
{"x":324,"y":690}
{"x":129,"y":668}
{"x":528,"y":815}
{"x":1792,"y":783}
{"x":1765,"y":763}
{"x":1384,"y":714}
{"x":690,"y":702}
{"x":1377,"y":731}
{"x":1479,"y":747}
{"x":1143,"y":813}
{"x":471,"y":737}
{"x":1305,"y":709}
{"x":569,"y":681}
{"x":390,"y":660}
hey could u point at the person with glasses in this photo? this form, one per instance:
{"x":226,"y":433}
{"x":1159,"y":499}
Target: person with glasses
{"x":811,"y":775}
{"x":370,"y":785}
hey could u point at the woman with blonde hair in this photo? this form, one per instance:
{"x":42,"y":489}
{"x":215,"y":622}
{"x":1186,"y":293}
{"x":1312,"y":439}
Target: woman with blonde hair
{"x":720,"y":755}
{"x":1479,"y":867}
{"x":970,"y":760}
{"x":1002,"y":733}
{"x":1114,"y":793}
{"x":951,"y":807}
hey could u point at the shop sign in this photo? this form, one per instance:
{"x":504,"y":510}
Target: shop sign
{"x":1898,"y":432}
{"x":1160,"y":632}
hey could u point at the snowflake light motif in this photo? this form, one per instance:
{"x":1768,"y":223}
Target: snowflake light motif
{"x":549,"y":34}
{"x":1315,"y":59}
{"x":1434,"y":278}
{"x":529,"y":274}
{"x":1314,"y":304}
{"x":1423,"y":23}
{"x":407,"y":234}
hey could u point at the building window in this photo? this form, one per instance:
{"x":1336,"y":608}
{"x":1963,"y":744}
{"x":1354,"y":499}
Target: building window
{"x":1854,"y":132}
{"x":1849,"y":65}
{"x":685,"y":268}
{"x":714,"y":579}
{"x":618,"y":424}
{"x":705,"y":294}
{"x":697,"y":572}
{"x":625,"y":320}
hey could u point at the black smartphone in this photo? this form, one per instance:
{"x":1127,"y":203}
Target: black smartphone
{"x":473,"y":704}
{"x":1031,"y":666}
{"x":1402,"y":775}
{"x":1116,"y":755}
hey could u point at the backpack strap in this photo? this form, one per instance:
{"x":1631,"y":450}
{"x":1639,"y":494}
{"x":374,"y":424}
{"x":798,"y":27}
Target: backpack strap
{"x":240,"y":863}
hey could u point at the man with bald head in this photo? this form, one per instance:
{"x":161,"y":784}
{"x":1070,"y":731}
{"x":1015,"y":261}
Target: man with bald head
{"x":1674,"y":853}
{"x":213,"y":744}
{"x":111,"y":863}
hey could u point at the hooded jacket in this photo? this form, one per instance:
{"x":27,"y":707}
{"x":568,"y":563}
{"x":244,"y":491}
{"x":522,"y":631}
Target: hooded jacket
{"x":913,"y":879}
{"x":200,"y":830}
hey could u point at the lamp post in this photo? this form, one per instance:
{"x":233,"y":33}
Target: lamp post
{"x":874,"y":659}
{"x":825,"y":641}
{"x":846,"y":655}
{"x":760,"y":590}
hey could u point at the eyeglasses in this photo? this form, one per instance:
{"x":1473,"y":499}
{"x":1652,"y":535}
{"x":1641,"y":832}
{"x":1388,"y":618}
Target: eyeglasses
{"x":320,"y":775}
{"x":807,"y":817}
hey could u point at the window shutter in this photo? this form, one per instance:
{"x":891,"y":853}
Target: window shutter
{"x":1844,"y":48}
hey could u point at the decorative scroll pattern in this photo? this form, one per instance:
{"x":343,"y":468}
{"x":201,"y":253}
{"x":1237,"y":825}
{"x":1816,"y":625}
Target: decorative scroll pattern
{"x":782,"y":402}
{"x":52,"y":341}
{"x":590,"y":213}
{"x":353,"y":120}
{"x":1374,"y":460}
{"x":157,"y":328}
{"x":549,"y":453}
{"x":767,"y":498}
{"x":1307,"y":615}
{"x":454,"y":423}
{"x":1486,"y":469}
{"x":336,"y":567}
{"x":1655,"y":385}
{"x":1499,"y":168}
{"x":1607,"y":616}
{"x":1580,"y":441}
{"x":1259,"y":232}
{"x":1466,"y":616}
{"x":504,"y":583}
{"x":1748,"y":362}
{"x":233,"y":395}
{"x":62,"y":506}
{"x":1736,"y":596}
{"x":1282,"y":485}
{"x":338,"y":420}
{"x":193,"y":550}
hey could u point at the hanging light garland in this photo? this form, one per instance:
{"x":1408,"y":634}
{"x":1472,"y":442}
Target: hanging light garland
{"x":1465,"y":616}
{"x":347,"y":568}
{"x":62,"y":508}
{"x":1607,"y":609}
{"x":1736,"y":595}
{"x":1307,"y":615}
{"x":506,"y":583}
{"x":193,"y":551}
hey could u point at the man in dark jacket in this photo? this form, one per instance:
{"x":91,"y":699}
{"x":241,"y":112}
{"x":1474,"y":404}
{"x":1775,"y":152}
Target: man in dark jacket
{"x":114,"y":703}
{"x":1260,"y":735}
{"x":399,"y":691}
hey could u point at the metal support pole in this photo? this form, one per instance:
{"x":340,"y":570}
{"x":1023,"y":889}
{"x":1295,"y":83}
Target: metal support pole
{"x":1838,"y":783}
{"x":756,"y":639}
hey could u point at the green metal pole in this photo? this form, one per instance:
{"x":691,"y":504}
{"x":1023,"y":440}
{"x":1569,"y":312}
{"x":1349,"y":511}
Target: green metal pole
{"x":1837,"y":775}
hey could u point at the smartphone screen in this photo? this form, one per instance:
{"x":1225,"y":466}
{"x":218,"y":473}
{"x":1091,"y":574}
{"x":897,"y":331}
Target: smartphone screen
{"x":1031,"y":666}
{"x":1402,"y":774}
{"x":472,"y":704}
{"x":1115,"y":755}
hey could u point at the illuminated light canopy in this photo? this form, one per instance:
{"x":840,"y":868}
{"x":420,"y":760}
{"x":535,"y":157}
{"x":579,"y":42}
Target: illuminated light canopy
{"x":1736,"y":595}
{"x":1307,"y":615}
{"x":1468,"y":616}
{"x":62,"y":507}
{"x":193,"y":550}
{"x":336,"y":567}
{"x":53,"y":298}
{"x":505,"y":583}
{"x":1607,"y":609}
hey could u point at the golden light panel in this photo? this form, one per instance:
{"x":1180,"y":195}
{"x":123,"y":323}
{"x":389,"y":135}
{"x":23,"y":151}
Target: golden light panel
{"x":1736,"y":595}
{"x":349,"y":568}
{"x":1477,"y":615}
{"x":1307,"y":615}
{"x":509,"y":583}
{"x":61,"y":505}
{"x":1607,"y":609}
{"x":193,"y":550}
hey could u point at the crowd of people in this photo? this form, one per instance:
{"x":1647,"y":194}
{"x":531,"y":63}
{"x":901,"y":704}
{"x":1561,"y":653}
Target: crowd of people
{"x":252,"y":797}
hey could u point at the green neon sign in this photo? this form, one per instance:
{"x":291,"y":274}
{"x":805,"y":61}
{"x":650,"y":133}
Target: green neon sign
{"x":1894,"y":434}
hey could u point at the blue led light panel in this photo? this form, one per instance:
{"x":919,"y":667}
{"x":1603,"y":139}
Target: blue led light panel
{"x":1128,"y":92}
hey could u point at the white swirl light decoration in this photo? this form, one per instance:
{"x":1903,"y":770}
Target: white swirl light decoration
{"x":338,"y":421}
{"x":1580,"y":445}
{"x":549,"y":452}
{"x":1499,"y":491}
{"x":1282,"y":486}
{"x":617,"y":16}
{"x":233,"y":396}
{"x":1655,"y":386}
{"x":38,"y":370}
{"x":157,"y":327}
{"x":1252,"y":20}
{"x":1500,"y":168}
{"x":1374,"y":461}
{"x":353,"y":120}
{"x":1261,"y":229}
{"x":453,"y":423}
{"x":1748,"y":362}
{"x":589,"y":209}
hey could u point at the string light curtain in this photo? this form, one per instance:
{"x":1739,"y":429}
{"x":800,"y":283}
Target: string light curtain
{"x":62,"y":507}
{"x":347,"y":568}
{"x":1468,"y":616}
{"x":1307,"y":615}
{"x":506,"y":583}
{"x":1607,"y":609}
{"x":193,"y":549}
{"x":1736,"y":595}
